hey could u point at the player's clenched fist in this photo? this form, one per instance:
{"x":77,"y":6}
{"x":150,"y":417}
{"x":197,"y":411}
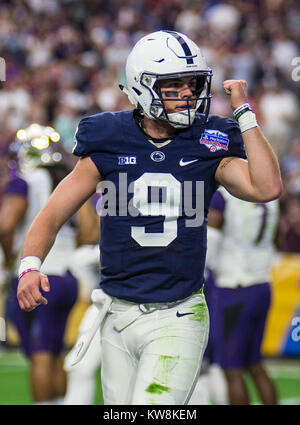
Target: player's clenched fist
{"x":238,"y":91}
{"x":28,"y":294}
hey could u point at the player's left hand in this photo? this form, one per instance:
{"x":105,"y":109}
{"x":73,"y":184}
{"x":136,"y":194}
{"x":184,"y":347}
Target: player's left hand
{"x":238,"y":91}
{"x":29,"y":286}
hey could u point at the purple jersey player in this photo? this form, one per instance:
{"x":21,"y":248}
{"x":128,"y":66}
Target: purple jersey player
{"x":241,"y":249}
{"x":41,"y":331}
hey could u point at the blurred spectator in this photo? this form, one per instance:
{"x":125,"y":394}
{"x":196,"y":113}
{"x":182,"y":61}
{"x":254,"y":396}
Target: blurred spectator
{"x":223,"y":19}
{"x":284,"y":49}
{"x":72,"y":59}
{"x":190,"y":21}
{"x":290,"y":167}
{"x":65,"y":122}
{"x":280,"y":112}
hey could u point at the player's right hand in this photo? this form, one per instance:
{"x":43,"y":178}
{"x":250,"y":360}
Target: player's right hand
{"x":238,"y":92}
{"x":29,"y":286}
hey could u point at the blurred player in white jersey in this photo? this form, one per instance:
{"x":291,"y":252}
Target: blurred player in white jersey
{"x":41,"y":332}
{"x":84,"y":265}
{"x":240,"y":253}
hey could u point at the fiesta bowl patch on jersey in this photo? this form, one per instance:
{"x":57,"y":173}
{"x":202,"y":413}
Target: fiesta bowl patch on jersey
{"x":214,"y":140}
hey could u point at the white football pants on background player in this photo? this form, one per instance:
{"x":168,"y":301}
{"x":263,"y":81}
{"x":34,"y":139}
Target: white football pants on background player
{"x":153,"y":357}
{"x":218,"y":385}
{"x":81,"y":377}
{"x":211,"y":388}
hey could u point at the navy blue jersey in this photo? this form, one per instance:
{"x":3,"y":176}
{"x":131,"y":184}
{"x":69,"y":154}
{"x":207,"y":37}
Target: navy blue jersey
{"x":155,"y":255}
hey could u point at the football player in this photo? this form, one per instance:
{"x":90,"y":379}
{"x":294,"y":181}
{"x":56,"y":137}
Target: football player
{"x":241,"y":250}
{"x":42,"y":331}
{"x":84,"y":265}
{"x":211,"y":387}
{"x":153,"y":162}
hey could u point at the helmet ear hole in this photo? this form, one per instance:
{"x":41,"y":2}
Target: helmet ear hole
{"x":130,"y":96}
{"x":138,"y":92}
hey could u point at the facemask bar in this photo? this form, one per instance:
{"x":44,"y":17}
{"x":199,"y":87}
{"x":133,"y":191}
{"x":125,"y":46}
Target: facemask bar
{"x":202,"y":95}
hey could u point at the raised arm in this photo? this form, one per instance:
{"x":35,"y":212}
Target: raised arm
{"x":69,"y":195}
{"x":257,"y":179}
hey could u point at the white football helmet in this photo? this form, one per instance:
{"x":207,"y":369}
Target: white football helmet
{"x":164,"y":55}
{"x":37,"y":145}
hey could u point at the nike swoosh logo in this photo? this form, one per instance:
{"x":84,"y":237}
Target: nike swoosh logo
{"x":182,"y":163}
{"x":182,"y":314}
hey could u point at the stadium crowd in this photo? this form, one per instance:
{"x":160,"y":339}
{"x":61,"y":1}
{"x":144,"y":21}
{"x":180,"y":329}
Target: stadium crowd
{"x":63,"y":58}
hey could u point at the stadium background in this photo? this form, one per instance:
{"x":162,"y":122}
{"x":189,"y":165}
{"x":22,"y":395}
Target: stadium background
{"x":63,"y":59}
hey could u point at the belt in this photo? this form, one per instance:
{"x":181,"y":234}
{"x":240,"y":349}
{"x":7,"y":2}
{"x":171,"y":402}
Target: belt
{"x":127,"y":317}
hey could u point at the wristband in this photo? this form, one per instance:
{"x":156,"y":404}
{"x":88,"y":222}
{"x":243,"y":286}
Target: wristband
{"x":247,"y":121}
{"x":241,"y":112}
{"x":240,"y":108}
{"x":29,"y":262}
{"x":27,"y":271}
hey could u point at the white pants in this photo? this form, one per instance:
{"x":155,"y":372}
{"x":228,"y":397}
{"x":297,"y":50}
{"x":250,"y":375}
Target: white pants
{"x":156,"y":358}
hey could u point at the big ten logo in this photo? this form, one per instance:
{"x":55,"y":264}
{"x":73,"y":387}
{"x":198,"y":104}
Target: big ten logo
{"x":296,"y":70}
{"x":296,"y":330}
{"x":2,"y":329}
{"x":127,"y":160}
{"x":2,"y":69}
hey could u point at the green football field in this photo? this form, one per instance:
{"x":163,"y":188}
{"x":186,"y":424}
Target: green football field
{"x":14,"y":388}
{"x":14,"y":384}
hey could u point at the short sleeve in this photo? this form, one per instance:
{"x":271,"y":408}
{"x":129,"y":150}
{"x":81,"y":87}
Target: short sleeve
{"x":96,"y":133}
{"x":17,"y":186}
{"x":81,"y":147}
{"x":217,"y":202}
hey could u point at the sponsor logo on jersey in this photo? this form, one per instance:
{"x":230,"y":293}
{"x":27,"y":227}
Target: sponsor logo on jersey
{"x":127,"y":160}
{"x":183,"y":163}
{"x":157,"y":156}
{"x":214,"y":140}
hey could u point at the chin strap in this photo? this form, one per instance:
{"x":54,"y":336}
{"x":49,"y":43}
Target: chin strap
{"x":182,"y":119}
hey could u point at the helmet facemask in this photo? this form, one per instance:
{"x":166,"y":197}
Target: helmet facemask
{"x":200,"y":100}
